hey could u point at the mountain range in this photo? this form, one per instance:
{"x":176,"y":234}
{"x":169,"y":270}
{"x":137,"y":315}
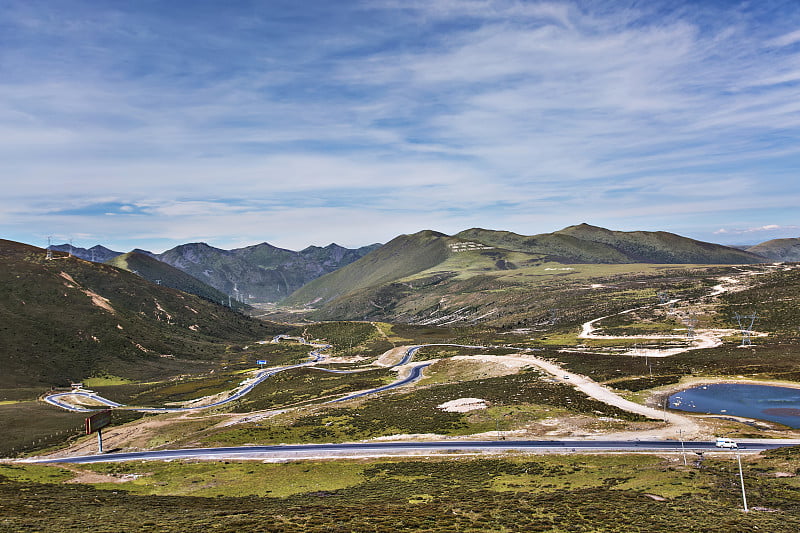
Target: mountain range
{"x":315,"y":276}
{"x":430,"y":255}
{"x":142,"y":314}
{"x":261,"y":272}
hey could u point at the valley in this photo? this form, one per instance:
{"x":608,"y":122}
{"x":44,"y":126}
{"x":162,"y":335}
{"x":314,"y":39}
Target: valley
{"x":575,"y":353}
{"x":445,"y":361}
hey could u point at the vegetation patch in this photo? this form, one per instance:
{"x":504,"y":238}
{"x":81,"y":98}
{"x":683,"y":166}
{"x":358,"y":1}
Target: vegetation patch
{"x":347,"y":338}
{"x":99,"y":381}
{"x":764,"y":360}
{"x":302,"y":385}
{"x":418,"y":412}
{"x":232,"y":478}
{"x":637,"y":493}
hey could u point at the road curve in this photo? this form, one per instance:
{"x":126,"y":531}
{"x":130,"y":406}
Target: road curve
{"x":244,"y":388}
{"x":301,"y":451}
{"x":414,"y":375}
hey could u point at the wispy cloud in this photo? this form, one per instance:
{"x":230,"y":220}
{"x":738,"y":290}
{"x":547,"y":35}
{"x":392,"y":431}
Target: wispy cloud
{"x":368,"y":119}
{"x":786,"y":39}
{"x":760,"y":229}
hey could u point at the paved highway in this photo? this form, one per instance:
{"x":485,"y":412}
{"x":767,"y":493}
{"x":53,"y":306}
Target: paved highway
{"x":414,"y":375}
{"x":301,"y":451}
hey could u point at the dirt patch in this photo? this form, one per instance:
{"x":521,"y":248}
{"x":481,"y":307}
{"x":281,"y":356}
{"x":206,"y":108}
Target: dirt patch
{"x":393,"y":356}
{"x":97,"y":300}
{"x":89,"y":477}
{"x":411,"y":436}
{"x":463,"y":405}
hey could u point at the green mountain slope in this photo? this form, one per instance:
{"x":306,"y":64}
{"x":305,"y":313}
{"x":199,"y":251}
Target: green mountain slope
{"x":66,"y":319}
{"x":416,"y":278}
{"x":403,"y":256}
{"x":163,"y":274}
{"x":557,"y":246}
{"x":660,"y":247}
{"x":778,"y":249}
{"x":590,"y":244}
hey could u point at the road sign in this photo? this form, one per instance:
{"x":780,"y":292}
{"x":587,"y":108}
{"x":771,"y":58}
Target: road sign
{"x":98,"y":421}
{"x":261,"y":362}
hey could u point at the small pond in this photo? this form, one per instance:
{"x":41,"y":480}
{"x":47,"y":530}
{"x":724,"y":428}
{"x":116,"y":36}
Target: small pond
{"x":764,"y":402}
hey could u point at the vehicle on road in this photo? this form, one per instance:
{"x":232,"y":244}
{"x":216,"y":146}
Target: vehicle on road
{"x":723,"y":442}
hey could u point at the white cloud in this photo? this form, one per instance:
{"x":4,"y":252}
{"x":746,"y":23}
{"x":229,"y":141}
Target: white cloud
{"x":759,"y":229}
{"x":486,"y":113}
{"x":786,"y":39}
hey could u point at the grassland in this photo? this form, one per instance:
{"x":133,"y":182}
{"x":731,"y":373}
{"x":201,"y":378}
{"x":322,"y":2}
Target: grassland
{"x":304,"y":385}
{"x":517,"y":399}
{"x":547,"y":493}
{"x":521,"y":401}
{"x":538,"y":296}
{"x":348,"y":338}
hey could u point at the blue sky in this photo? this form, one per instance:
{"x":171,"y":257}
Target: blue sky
{"x":154,"y":123}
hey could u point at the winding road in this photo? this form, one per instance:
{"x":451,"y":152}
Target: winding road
{"x":61,"y":399}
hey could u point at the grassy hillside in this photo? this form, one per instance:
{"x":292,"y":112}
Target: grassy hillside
{"x":166,"y":275}
{"x":589,"y":244}
{"x":403,"y":256}
{"x":778,"y":249}
{"x":481,"y":274}
{"x":660,"y":246}
{"x":67,"y":319}
{"x":774,"y":297}
{"x":555,"y":246}
{"x":464,"y":290}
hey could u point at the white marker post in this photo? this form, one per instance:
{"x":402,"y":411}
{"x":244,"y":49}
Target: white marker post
{"x":741,"y":479}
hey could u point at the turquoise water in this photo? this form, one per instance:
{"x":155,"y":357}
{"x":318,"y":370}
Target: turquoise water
{"x":776,"y":404}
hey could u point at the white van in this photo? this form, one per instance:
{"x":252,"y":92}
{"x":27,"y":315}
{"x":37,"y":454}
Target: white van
{"x":723,"y":442}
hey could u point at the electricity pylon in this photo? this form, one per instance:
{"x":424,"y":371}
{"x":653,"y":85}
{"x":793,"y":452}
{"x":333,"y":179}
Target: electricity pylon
{"x":746,"y":327}
{"x":691,"y":321}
